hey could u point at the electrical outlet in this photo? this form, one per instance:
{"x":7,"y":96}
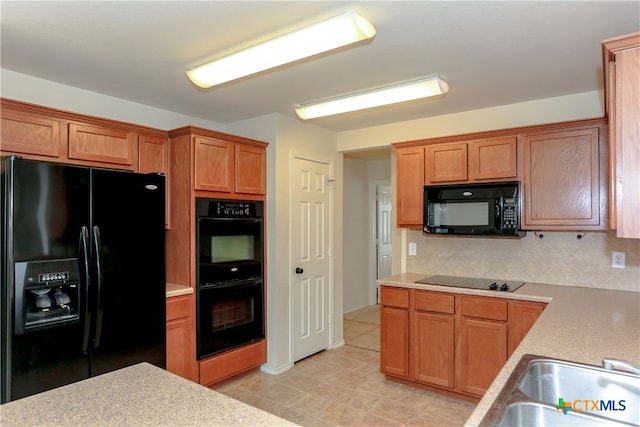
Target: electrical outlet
{"x":617,"y":259}
{"x":413,"y":250}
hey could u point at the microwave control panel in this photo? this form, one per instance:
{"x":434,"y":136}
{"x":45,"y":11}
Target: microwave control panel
{"x":510,"y":214}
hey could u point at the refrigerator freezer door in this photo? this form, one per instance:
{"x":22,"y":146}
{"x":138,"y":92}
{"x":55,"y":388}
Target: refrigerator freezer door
{"x":45,"y":206}
{"x":128,"y":243}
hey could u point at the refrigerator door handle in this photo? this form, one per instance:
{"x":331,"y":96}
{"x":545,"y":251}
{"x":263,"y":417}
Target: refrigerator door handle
{"x":98,"y":248}
{"x":84,"y":254}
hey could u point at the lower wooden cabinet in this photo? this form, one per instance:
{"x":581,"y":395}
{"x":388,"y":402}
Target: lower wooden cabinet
{"x":454,"y":343}
{"x":181,"y":351}
{"x":232,"y":362}
{"x":394,"y":331}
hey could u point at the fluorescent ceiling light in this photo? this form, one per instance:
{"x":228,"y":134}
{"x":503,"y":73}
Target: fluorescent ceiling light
{"x":402,"y":92}
{"x":339,"y":31}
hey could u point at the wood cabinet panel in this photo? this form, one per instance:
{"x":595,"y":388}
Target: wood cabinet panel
{"x":181,"y":351}
{"x":394,"y":341}
{"x":622,"y":83}
{"x":493,"y":158}
{"x":394,"y":297}
{"x":434,"y":352}
{"x":29,"y":133}
{"x":446,"y":162}
{"x":561,"y":178}
{"x":483,"y":351}
{"x":434,"y":301}
{"x":485,"y":308}
{"x":410,"y":186}
{"x":232,"y":362}
{"x":214,"y":164}
{"x":102,"y":144}
{"x":250,"y":170}
{"x":523,"y":314}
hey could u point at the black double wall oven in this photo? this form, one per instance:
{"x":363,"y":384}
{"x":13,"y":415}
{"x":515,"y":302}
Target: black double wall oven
{"x":230,"y":274}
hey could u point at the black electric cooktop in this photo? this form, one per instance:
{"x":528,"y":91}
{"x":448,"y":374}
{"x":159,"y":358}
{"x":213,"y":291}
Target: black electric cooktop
{"x":473,"y":283}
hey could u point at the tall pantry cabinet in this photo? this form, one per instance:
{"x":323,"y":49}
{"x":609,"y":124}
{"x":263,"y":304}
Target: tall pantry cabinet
{"x":621,"y":56}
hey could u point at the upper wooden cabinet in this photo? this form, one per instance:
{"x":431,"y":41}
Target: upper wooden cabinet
{"x":470,"y":161}
{"x":103,"y":144}
{"x":445,"y":162}
{"x":28,"y":133}
{"x":214,"y":164}
{"x":563,"y":185}
{"x":493,"y":159}
{"x":229,"y":166}
{"x":410,"y":184}
{"x":622,"y":87}
{"x":43,"y":133}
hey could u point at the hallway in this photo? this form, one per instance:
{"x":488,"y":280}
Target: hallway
{"x":344,"y":387}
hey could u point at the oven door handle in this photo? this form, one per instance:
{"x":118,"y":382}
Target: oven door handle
{"x":253,"y":220}
{"x":237,"y":284}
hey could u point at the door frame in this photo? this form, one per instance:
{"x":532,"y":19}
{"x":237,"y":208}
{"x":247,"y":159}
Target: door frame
{"x":373,"y":222}
{"x":291,"y":264}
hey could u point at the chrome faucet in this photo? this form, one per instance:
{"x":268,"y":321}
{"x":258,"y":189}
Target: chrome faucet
{"x":620,"y":365}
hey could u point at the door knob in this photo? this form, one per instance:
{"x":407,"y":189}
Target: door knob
{"x":299,"y":270}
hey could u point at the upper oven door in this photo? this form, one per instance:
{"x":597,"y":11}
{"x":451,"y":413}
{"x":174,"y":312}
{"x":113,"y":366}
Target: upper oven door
{"x":229,"y":249}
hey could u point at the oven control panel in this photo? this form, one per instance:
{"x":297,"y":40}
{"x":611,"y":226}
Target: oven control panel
{"x":212,"y":208}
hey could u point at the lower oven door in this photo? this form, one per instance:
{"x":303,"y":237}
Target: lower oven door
{"x":229,"y":315}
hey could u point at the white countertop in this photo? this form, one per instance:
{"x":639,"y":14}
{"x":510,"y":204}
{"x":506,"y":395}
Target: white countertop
{"x":140,"y":395}
{"x":579,"y":324}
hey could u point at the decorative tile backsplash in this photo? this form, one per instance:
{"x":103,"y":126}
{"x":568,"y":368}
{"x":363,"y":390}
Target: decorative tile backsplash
{"x":558,"y":258}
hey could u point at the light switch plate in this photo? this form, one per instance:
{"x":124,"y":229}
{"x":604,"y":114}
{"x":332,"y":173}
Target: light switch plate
{"x":412,"y":249}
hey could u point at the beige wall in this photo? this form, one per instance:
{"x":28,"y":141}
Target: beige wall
{"x":288,"y":137}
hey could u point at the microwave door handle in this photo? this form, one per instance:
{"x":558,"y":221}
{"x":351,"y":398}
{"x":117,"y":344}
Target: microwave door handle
{"x":98,"y":248}
{"x":84,"y":256}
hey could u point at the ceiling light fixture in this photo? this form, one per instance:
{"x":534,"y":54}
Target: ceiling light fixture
{"x":415,"y":89}
{"x":323,"y":36}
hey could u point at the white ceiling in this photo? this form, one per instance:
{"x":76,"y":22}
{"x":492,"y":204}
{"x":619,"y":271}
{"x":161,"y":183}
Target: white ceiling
{"x":490,"y":53}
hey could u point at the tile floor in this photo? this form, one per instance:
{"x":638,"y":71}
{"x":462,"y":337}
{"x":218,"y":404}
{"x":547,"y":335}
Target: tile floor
{"x":344,"y":387}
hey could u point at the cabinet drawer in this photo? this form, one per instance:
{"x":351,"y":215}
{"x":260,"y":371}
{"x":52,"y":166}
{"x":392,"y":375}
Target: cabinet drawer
{"x":178,"y":307}
{"x":395,"y":297}
{"x":485,"y":308}
{"x":433,"y":301}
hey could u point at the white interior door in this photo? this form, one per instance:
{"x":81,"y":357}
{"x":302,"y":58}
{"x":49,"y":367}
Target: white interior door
{"x":383,"y":239}
{"x":312,"y":266}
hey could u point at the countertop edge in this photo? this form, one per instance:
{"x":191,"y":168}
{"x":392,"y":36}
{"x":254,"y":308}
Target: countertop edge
{"x":174,"y":290}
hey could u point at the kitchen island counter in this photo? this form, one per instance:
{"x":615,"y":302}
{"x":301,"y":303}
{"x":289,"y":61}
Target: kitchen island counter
{"x":141,"y":395}
{"x":579,"y":324}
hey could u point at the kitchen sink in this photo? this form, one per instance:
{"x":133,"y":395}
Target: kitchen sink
{"x":544,"y":391}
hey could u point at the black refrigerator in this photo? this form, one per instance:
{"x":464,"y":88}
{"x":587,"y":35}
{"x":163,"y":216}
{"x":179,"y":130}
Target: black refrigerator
{"x":83,"y":273}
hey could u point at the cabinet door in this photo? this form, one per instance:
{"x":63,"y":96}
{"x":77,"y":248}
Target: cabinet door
{"x":214,"y":164}
{"x":446,"y":162}
{"x":250,"y":169}
{"x":625,"y":111}
{"x":483,"y":352}
{"x":410,"y":186}
{"x":101,"y":144}
{"x":180,"y":344}
{"x":523,"y":315}
{"x":153,"y":156}
{"x":433,"y":352}
{"x":394,"y":341}
{"x":493,"y":158}
{"x":561,"y":179}
{"x":29,"y":134}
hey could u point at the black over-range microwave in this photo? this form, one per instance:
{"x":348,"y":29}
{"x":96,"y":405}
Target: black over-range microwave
{"x":482,"y":209}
